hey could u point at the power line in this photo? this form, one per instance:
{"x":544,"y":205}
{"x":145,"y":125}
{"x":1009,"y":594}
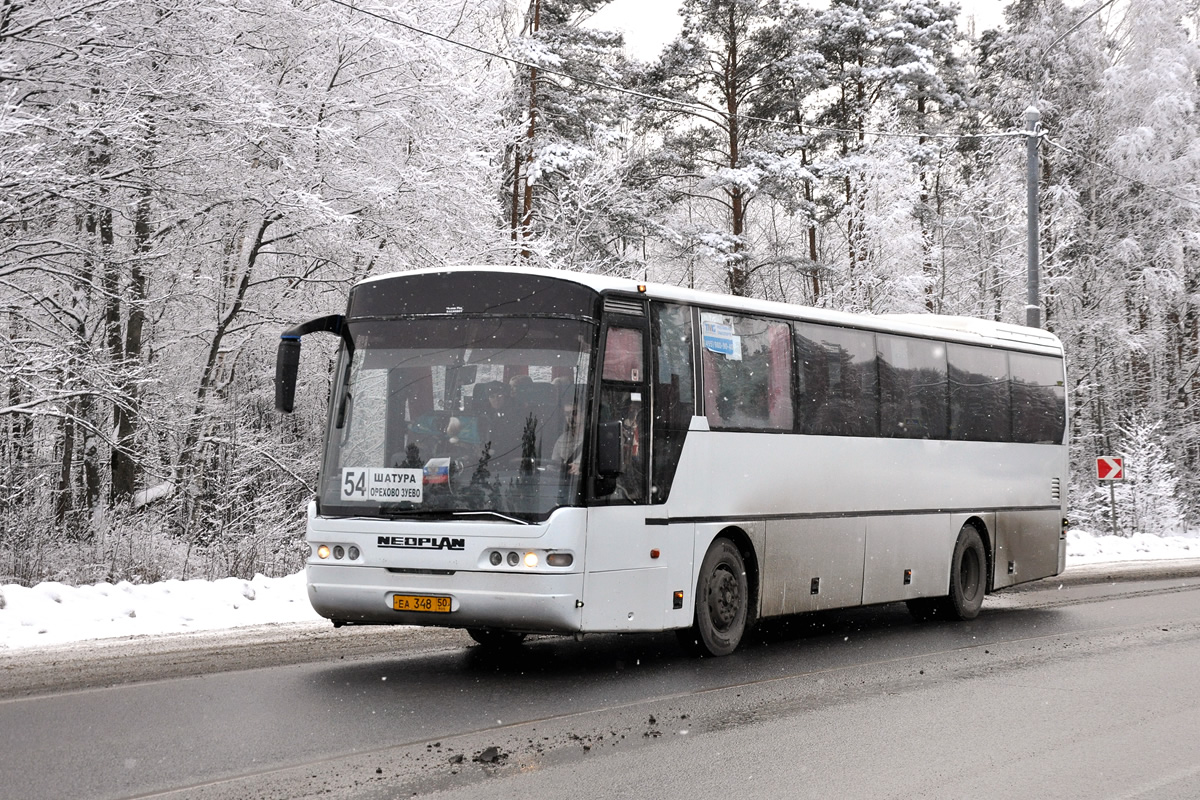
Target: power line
{"x":1076,"y":27}
{"x":697,"y":110}
{"x":1136,"y":181}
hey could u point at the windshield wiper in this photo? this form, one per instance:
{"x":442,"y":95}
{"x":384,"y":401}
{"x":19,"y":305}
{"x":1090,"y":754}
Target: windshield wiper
{"x":392,"y":511}
{"x":495,"y":514}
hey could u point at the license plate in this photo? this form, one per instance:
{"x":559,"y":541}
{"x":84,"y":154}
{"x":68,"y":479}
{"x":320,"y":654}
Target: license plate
{"x":420,"y":602}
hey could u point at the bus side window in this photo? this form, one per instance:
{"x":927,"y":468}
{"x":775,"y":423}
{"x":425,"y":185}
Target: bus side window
{"x":1038,"y":398}
{"x":912,"y":387}
{"x":980,"y":402}
{"x":839,"y":377}
{"x":747,"y":372}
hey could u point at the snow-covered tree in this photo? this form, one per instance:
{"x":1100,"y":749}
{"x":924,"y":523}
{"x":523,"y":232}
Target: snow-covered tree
{"x":1148,"y":498}
{"x":716,"y":157}
{"x":569,"y":196}
{"x":182,"y":181}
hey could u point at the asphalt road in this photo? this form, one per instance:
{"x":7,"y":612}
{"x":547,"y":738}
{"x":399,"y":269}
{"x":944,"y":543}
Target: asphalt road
{"x":1083,"y":686}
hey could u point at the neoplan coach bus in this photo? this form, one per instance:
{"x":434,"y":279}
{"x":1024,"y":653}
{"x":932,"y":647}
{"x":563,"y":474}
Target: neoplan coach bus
{"x":517,"y":451}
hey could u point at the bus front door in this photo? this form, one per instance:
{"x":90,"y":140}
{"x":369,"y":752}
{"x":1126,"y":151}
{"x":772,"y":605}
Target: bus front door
{"x":626,"y":584}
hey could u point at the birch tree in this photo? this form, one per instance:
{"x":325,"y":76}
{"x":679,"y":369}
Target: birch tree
{"x":189,"y":180}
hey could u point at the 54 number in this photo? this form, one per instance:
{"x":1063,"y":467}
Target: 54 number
{"x":354,"y":483}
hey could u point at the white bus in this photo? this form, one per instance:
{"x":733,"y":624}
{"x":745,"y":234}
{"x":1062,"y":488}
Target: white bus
{"x":516,"y":451}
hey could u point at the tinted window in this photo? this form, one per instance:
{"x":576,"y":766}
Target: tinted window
{"x":674,"y":393}
{"x":622,"y":404}
{"x":1039,"y":408}
{"x":475,"y":292}
{"x":912,"y":388}
{"x":979,"y":396}
{"x":623,"y":411}
{"x":623,"y":355}
{"x":838,"y":381}
{"x":747,"y":372}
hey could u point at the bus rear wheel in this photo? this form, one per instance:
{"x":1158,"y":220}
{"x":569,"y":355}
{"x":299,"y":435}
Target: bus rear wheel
{"x":968,"y":582}
{"x":722,"y":602}
{"x":496,"y":639}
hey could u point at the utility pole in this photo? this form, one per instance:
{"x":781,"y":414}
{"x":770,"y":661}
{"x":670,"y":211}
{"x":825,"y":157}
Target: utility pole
{"x":1033,"y":310}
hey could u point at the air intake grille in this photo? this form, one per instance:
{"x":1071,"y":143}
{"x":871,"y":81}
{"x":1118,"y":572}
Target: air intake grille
{"x":407,"y":571}
{"x":1055,"y":490}
{"x":622,"y":305}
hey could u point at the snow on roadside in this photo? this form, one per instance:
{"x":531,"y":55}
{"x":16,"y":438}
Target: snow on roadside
{"x":1084,"y":547}
{"x":54,"y":613}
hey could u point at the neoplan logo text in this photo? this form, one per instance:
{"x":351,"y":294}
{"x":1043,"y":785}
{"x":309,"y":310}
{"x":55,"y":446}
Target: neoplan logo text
{"x":422,"y":543}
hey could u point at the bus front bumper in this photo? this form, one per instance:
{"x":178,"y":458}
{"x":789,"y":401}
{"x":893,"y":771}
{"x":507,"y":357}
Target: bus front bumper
{"x":529,"y":602}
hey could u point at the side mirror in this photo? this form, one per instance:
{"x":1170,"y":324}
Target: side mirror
{"x":287,"y":359}
{"x":287,"y":363}
{"x":608,"y":449}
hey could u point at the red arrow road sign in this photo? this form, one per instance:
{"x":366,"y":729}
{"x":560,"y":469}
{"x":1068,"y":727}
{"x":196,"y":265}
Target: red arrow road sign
{"x":1110,"y":468}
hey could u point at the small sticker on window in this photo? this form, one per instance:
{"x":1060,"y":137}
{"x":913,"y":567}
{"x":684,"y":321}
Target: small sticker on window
{"x":720,"y":338}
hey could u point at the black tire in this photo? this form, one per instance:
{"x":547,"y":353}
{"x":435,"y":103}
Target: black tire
{"x":722,"y":602}
{"x":968,"y":582}
{"x":968,"y":575}
{"x":496,"y":639}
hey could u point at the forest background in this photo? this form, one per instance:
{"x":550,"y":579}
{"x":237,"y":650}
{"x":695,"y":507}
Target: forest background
{"x":180,"y":181}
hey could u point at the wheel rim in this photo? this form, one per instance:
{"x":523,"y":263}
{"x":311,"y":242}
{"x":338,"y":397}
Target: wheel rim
{"x":724,"y":598}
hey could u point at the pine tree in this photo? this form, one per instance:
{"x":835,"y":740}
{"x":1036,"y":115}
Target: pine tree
{"x":568,"y":195}
{"x":927,"y":86}
{"x":716,"y":160}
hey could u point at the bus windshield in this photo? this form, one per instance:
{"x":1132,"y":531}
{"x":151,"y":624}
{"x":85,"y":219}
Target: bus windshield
{"x":454,"y":416}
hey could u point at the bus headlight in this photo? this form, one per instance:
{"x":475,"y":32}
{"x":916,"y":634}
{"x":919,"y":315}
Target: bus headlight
{"x":323,"y":551}
{"x":353,"y":553}
{"x":559,"y":559}
{"x":531,"y":560}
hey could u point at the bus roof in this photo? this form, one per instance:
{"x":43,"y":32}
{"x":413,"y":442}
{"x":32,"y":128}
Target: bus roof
{"x":951,"y":328}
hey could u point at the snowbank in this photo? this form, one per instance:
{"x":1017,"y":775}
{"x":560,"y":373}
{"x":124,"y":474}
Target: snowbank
{"x":53,"y":613}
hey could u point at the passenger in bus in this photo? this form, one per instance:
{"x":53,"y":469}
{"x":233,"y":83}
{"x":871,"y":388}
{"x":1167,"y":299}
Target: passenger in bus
{"x":621,"y":406}
{"x":520,"y":385}
{"x":527,"y":397}
{"x":568,"y":448}
{"x":412,"y":458}
{"x":632,"y":477}
{"x":502,"y":423}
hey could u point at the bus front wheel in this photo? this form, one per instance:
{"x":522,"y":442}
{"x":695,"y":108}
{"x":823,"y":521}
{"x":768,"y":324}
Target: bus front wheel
{"x":722,"y":602}
{"x":968,"y":582}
